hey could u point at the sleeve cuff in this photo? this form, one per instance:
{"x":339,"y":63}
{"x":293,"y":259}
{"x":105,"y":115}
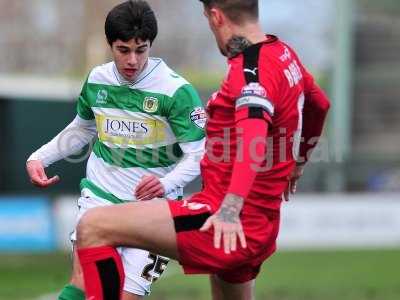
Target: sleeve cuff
{"x":36,"y":156}
{"x":168,"y":186}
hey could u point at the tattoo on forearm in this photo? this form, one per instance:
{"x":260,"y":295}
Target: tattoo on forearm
{"x":236,"y":45}
{"x":230,"y":209}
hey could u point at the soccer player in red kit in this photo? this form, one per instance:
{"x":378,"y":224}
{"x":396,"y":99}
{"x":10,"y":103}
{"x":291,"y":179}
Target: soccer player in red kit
{"x":263,"y":124}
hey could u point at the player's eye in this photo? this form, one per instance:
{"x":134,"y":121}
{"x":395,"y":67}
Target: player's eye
{"x":123,"y":50}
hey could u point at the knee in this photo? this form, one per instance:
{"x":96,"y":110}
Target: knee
{"x":89,"y":230}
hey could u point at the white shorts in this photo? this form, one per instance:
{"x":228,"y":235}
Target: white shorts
{"x":141,"y":267}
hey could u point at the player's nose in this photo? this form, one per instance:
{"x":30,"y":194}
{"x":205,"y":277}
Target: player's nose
{"x":132,"y":60}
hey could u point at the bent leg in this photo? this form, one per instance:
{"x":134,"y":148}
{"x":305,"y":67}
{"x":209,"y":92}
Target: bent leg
{"x":143,"y":225}
{"x":222,"y":290}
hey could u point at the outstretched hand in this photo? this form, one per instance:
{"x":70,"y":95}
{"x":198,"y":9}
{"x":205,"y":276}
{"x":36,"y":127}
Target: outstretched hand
{"x":38,"y":176}
{"x":227,"y":225}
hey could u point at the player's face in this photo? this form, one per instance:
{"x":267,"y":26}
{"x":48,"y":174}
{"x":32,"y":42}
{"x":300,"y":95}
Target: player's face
{"x":130,"y":57}
{"x":218,"y":26}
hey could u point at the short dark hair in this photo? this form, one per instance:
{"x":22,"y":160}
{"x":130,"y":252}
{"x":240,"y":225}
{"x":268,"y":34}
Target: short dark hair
{"x":237,"y":11}
{"x":131,"y":19}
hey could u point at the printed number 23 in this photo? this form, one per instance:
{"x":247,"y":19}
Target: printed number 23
{"x":158,"y":265}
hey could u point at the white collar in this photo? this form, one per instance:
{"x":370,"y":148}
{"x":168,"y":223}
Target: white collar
{"x":151,"y":64}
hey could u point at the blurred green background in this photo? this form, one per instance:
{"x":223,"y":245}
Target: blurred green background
{"x":306,"y":275}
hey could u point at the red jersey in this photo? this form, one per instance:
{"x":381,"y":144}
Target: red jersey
{"x":282,"y":85}
{"x":255,"y":119}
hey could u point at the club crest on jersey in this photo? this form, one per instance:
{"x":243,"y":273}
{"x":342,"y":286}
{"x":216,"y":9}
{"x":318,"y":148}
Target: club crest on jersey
{"x":150,"y":104}
{"x":254,"y":89}
{"x":102,"y":96}
{"x":195,"y":205}
{"x":199,"y":117}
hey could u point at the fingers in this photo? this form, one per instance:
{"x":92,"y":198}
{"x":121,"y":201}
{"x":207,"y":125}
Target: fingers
{"x":293,"y":183}
{"x":233,"y":242}
{"x":41,"y":173}
{"x":150,"y":187}
{"x":140,"y":187}
{"x":53,"y":180}
{"x":226,"y":233}
{"x":227,"y":241}
{"x":38,"y":175}
{"x":156,"y":191}
{"x":217,"y":235}
{"x":148,"y":192}
{"x":230,"y":237}
{"x":242,"y":238}
{"x":37,"y":180}
{"x":36,"y":171}
{"x":44,"y":183}
{"x":294,"y":178}
{"x":146,"y":183}
{"x":217,"y":230}
{"x":286,"y":193}
{"x":293,"y":186}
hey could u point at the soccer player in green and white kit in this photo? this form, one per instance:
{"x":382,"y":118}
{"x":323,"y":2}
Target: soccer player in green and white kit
{"x":149,"y":126}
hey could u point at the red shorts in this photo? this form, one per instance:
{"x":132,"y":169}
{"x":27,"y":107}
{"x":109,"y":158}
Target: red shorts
{"x":196,"y":250}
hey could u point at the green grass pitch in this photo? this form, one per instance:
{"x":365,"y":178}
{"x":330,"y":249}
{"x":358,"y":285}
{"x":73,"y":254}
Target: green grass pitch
{"x":306,"y":275}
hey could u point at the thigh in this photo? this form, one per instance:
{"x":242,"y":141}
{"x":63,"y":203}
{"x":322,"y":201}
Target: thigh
{"x":141,"y":268}
{"x":144,"y":225}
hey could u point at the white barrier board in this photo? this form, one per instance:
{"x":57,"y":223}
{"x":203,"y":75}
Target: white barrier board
{"x":341,"y":221}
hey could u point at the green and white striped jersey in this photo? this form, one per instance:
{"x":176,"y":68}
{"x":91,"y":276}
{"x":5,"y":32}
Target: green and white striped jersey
{"x":141,"y":126}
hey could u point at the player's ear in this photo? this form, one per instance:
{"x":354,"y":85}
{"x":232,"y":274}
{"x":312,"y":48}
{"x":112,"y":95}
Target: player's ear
{"x":216,"y":16}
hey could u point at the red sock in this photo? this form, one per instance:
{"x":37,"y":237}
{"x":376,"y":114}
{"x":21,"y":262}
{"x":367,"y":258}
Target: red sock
{"x":103,"y":273}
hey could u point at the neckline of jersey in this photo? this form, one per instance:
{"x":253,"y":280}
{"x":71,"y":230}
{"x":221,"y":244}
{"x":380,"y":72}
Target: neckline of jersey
{"x":269,"y":39}
{"x":146,"y":72}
